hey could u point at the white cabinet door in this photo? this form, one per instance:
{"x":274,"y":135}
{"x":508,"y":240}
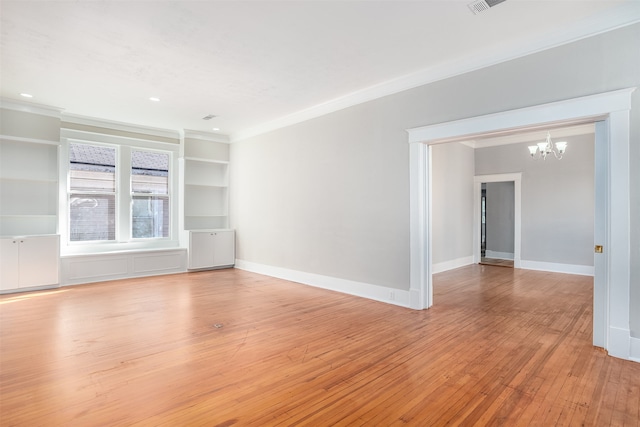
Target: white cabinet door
{"x":208,"y":249}
{"x":200,"y":249}
{"x":224,"y":248}
{"x":29,"y":261}
{"x":39,"y":261}
{"x":9,"y":259}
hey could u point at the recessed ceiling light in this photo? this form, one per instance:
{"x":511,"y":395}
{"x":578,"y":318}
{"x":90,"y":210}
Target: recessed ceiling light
{"x":26,"y":95}
{"x":216,"y":128}
{"x":154,"y":99}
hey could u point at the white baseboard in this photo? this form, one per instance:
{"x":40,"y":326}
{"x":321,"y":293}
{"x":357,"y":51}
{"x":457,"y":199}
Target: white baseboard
{"x":451,"y":264}
{"x":583,"y":270}
{"x":365,"y":290}
{"x":498,"y":255}
{"x":90,"y":268}
{"x":619,"y":343}
{"x":634,"y":353}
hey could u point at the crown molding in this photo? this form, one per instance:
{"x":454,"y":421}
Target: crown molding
{"x":120,"y":126}
{"x":29,"y":107}
{"x":619,"y":17}
{"x":205,"y":136}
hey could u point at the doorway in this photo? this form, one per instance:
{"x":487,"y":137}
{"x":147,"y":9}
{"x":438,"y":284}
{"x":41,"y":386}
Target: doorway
{"x":611,"y":282}
{"x":504,"y":248}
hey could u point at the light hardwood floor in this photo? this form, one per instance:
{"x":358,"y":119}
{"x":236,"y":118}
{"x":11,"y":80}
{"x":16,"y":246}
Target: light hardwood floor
{"x":500,"y":347}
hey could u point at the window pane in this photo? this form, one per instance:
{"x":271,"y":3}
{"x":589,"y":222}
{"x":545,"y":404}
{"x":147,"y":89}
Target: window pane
{"x":149,"y":172}
{"x":150,"y":217}
{"x":92,"y":168}
{"x":92,"y":217}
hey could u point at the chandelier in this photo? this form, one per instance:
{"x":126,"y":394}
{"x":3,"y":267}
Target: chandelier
{"x":542,"y":149}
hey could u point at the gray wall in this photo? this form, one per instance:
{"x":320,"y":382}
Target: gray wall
{"x":330,"y":195}
{"x":557,"y":199}
{"x":500,"y":217}
{"x":452,"y":198}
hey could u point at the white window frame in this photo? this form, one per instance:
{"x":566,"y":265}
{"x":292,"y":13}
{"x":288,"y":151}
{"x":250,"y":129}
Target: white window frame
{"x":70,"y":193}
{"x":124,"y":240}
{"x":133,"y":194}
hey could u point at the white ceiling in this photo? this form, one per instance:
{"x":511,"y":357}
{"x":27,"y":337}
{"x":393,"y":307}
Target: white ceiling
{"x":258,"y":65}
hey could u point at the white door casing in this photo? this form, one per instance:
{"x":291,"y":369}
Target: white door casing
{"x":611,"y":293}
{"x":516,"y":178}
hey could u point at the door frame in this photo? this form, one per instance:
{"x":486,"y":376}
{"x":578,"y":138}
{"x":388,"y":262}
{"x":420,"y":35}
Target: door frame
{"x":611,"y":293}
{"x":478,"y":180}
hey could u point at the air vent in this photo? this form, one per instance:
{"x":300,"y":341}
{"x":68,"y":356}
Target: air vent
{"x":209,"y":117}
{"x":483,"y":5}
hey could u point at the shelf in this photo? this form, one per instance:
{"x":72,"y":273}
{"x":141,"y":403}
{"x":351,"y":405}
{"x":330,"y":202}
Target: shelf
{"x":12,"y":178}
{"x":196,"y":223}
{"x":195,"y":159}
{"x":206,"y":186}
{"x":21,"y":139}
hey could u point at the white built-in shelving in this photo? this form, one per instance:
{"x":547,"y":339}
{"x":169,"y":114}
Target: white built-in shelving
{"x":205,"y":172}
{"x":28,"y":186}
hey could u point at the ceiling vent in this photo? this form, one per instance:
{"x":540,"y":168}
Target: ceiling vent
{"x":208,"y":117}
{"x":483,"y":5}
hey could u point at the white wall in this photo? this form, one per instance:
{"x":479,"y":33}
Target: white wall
{"x":452,"y":197}
{"x":557,"y":199}
{"x":330,"y":195}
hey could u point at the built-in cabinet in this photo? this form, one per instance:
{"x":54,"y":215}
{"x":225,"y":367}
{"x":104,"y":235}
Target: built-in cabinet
{"x":29,"y":241}
{"x":29,"y":261}
{"x":205,"y":201}
{"x":211,"y":249}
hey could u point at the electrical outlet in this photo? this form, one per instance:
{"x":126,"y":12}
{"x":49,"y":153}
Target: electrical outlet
{"x":392,"y":296}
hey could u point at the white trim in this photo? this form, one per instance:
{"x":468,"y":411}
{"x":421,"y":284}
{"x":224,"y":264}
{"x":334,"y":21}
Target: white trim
{"x":28,"y":107}
{"x":420,"y":288}
{"x":451,"y":264}
{"x":89,"y":268}
{"x":206,"y":136}
{"x":365,"y":290}
{"x":121,"y":126}
{"x":516,"y":178}
{"x":538,"y":136}
{"x":572,"y":111}
{"x":611,"y":106}
{"x":621,"y":16}
{"x":634,"y":351}
{"x":29,"y":140}
{"x":499,"y":255}
{"x":619,"y":342}
{"x":554,"y":267}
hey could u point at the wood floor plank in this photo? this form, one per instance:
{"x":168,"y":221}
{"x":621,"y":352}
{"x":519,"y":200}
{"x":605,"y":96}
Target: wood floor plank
{"x":232,"y":348}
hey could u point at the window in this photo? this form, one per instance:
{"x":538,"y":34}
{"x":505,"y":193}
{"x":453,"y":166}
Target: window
{"x":150,"y":192}
{"x":92,"y":201}
{"x":119,"y":194}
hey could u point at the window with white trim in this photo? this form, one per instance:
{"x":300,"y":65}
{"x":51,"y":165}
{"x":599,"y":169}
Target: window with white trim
{"x":118,"y":193}
{"x":150,"y":194}
{"x":92,"y":193}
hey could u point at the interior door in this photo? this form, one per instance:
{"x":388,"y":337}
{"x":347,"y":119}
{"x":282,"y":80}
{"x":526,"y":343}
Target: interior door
{"x":600,"y":276}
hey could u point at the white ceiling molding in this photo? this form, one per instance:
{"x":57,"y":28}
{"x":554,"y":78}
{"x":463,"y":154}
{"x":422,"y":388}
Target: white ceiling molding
{"x":205,"y":136}
{"x":124,"y":127}
{"x":29,"y":107}
{"x":626,"y":14}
